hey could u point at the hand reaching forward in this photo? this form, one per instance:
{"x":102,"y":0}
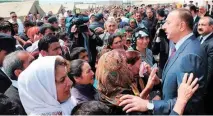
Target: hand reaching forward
{"x":187,"y":88}
{"x":133,"y":103}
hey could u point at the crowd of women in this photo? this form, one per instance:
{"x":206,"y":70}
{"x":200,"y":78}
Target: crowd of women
{"x":87,"y":71}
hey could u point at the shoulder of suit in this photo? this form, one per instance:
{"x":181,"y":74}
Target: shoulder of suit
{"x":149,"y":51}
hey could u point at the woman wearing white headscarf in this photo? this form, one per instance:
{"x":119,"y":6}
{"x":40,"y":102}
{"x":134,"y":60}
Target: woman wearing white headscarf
{"x":44,"y":87}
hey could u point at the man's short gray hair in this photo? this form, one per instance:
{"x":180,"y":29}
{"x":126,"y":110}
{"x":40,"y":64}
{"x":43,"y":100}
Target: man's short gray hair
{"x":11,"y":63}
{"x":210,"y":21}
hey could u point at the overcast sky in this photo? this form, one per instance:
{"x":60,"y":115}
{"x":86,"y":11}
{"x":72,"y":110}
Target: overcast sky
{"x":63,"y":1}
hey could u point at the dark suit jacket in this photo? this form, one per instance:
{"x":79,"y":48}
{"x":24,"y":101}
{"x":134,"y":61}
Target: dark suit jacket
{"x":4,"y":82}
{"x":207,"y":45}
{"x":12,"y":93}
{"x":189,"y":58}
{"x":94,"y":41}
{"x":195,"y":25}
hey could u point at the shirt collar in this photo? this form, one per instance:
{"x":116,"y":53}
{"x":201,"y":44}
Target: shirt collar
{"x":15,"y":83}
{"x":195,"y":17}
{"x":181,"y":41}
{"x":206,"y":36}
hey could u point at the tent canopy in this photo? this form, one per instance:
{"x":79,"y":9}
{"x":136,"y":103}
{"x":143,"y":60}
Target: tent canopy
{"x":68,"y":6}
{"x":22,"y":9}
{"x":55,"y":8}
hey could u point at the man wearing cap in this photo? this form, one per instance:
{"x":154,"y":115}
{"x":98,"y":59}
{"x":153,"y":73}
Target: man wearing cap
{"x":91,"y":18}
{"x":7,"y":45}
{"x":98,"y":22}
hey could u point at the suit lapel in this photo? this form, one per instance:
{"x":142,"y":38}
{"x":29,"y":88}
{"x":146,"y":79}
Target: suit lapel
{"x":208,"y":38}
{"x":172,"y":60}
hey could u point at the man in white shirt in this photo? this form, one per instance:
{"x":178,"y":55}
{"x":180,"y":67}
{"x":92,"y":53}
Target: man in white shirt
{"x":13,"y":19}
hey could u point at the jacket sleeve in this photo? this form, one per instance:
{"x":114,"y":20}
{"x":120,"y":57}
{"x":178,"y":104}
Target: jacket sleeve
{"x":191,"y":63}
{"x":163,"y":107}
{"x":98,"y":40}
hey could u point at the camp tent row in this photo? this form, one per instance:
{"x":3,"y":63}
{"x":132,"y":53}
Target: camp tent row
{"x":22,"y":9}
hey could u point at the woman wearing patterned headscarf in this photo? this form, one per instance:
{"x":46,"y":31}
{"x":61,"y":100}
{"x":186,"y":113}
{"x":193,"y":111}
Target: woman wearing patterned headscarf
{"x":114,"y":79}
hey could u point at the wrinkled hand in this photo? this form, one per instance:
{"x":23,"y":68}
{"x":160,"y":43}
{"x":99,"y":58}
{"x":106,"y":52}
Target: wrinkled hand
{"x":157,"y":98}
{"x":133,"y":103}
{"x":187,"y":88}
{"x":16,"y":37}
{"x":153,"y":78}
{"x":144,"y":68}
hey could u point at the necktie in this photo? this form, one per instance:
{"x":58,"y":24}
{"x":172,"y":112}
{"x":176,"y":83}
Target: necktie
{"x":201,"y":39}
{"x":173,"y":51}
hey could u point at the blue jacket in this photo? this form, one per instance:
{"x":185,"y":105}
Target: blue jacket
{"x":189,"y":58}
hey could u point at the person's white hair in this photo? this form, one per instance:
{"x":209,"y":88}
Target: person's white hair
{"x":110,"y":18}
{"x":202,"y":6}
{"x":110,"y":21}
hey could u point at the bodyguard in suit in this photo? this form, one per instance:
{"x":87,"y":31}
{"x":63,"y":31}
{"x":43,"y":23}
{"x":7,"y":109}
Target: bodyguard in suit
{"x":7,"y":45}
{"x":13,"y":65}
{"x":194,"y":11}
{"x":186,"y":57}
{"x":205,"y":29}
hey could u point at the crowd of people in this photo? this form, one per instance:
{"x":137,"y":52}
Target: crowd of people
{"x":115,"y":60}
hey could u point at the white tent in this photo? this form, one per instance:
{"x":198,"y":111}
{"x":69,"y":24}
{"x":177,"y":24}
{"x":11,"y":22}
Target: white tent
{"x":22,"y":9}
{"x":55,"y":8}
{"x":68,"y":6}
{"x":83,"y":6}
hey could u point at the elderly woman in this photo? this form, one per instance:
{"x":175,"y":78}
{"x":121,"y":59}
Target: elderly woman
{"x":44,"y":87}
{"x":114,"y":79}
{"x":110,"y":28}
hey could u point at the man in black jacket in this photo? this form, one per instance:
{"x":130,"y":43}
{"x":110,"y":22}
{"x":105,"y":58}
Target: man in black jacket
{"x":13,"y":65}
{"x":193,"y":9}
{"x":89,"y":40}
{"x":205,"y":29}
{"x":7,"y":45}
{"x":161,"y":43}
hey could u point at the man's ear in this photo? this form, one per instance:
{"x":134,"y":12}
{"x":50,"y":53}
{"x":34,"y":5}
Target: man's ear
{"x":77,"y":79}
{"x":43,"y":53}
{"x":17,"y":72}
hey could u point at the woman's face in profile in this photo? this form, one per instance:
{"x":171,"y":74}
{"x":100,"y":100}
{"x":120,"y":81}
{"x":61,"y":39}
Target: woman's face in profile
{"x":87,"y":74}
{"x":63,"y":84}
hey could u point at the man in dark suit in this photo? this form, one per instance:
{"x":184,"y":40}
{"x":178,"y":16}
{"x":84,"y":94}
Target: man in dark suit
{"x":13,"y":65}
{"x":193,"y":9}
{"x":7,"y":45}
{"x":205,"y":29}
{"x":187,"y":56}
{"x":160,"y":43}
